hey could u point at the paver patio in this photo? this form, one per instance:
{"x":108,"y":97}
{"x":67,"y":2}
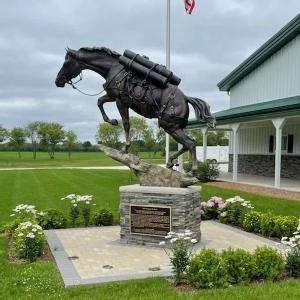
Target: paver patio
{"x":96,"y":254}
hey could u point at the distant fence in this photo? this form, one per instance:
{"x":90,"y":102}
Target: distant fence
{"x":218,"y":153}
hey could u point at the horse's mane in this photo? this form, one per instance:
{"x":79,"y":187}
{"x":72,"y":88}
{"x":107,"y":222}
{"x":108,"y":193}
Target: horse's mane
{"x":100,"y":50}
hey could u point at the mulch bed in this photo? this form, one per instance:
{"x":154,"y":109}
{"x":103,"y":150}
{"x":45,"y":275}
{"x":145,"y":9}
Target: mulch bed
{"x":254,"y":189}
{"x":47,"y":255}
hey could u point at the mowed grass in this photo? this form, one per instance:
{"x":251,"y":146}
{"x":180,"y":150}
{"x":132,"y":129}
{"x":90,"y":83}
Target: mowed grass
{"x":45,"y":188}
{"x":78,"y":159}
{"x":41,"y":280}
{"x":265,"y":204}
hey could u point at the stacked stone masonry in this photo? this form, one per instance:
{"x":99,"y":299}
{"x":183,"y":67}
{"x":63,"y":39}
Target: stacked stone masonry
{"x":184,"y":203}
{"x":264,"y":165}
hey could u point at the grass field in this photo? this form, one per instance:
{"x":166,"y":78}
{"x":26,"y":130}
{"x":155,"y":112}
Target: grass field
{"x":78,"y":159}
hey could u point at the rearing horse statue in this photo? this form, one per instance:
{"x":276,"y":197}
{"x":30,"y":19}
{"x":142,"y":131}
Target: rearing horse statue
{"x":168,"y":104}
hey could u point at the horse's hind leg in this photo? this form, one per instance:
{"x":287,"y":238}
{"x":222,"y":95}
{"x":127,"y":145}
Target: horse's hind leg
{"x":188,"y":144}
{"x":101,"y":101}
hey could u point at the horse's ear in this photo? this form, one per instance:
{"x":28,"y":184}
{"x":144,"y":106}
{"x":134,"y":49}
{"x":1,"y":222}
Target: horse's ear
{"x":72,"y":52}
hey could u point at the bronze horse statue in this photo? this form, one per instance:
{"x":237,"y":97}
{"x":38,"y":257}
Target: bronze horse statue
{"x":168,"y":104}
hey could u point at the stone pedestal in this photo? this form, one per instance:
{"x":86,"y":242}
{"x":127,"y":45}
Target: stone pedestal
{"x":148,"y":213}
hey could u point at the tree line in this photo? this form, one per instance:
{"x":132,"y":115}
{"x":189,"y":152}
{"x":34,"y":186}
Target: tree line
{"x":42,"y":136}
{"x":49,"y":136}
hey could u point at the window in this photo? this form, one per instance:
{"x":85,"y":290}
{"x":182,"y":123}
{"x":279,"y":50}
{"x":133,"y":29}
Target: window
{"x":287,"y":143}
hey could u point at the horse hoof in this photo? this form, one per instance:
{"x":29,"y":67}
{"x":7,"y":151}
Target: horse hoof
{"x":170,"y":165}
{"x":114,"y":122}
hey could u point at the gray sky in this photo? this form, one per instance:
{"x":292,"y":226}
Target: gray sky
{"x":206,"y":46}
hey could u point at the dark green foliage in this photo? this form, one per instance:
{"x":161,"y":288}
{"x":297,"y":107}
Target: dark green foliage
{"x":74,"y":214}
{"x":270,"y":263}
{"x":207,"y":270}
{"x":52,"y":219}
{"x":103,"y":217}
{"x":293,"y":263}
{"x":206,"y":171}
{"x":86,"y":213}
{"x":240,"y":265}
{"x":252,"y":221}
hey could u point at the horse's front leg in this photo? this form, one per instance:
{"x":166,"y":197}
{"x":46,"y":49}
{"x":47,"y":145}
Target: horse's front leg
{"x":124,"y":112}
{"x":101,"y":101}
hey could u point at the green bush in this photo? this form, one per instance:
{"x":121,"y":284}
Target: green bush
{"x":240,"y":265}
{"x":267,"y":225}
{"x":205,"y":172}
{"x":293,"y":263}
{"x":52,"y":219}
{"x":207,"y":270}
{"x":28,"y":241}
{"x":270,"y":263}
{"x":252,"y":221}
{"x":284,"y":225}
{"x":103,"y":217}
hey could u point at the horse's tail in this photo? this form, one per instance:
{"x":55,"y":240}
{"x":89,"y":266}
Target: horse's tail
{"x":202,"y":111}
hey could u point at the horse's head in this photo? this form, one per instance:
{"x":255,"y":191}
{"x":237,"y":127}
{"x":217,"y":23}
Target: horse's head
{"x":70,"y":69}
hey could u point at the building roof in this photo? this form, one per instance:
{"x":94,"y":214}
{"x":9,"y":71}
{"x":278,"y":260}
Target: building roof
{"x":258,"y":111}
{"x":277,"y":41}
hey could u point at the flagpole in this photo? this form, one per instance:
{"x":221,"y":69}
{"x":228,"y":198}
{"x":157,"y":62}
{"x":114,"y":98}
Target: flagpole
{"x":168,"y":52}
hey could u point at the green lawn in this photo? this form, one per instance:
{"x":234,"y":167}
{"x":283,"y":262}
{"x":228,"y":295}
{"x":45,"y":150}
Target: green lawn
{"x":41,"y":280}
{"x":78,"y":159}
{"x":265,"y":204}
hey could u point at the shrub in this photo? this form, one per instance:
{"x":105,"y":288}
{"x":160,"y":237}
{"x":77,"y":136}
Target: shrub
{"x":267,"y":225}
{"x":284,"y":225}
{"x":293,"y":253}
{"x":234,"y":211}
{"x":270,"y":263}
{"x":240,"y":265}
{"x":207,"y":270}
{"x":205,"y":172}
{"x":179,"y":251}
{"x":103,"y":217}
{"x":52,"y":219}
{"x":252,"y":221}
{"x":28,"y":241}
{"x":211,"y":209}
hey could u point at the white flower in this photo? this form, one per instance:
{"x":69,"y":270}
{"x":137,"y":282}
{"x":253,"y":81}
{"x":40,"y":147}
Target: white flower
{"x":30,"y":235}
{"x":75,"y":205}
{"x":167,"y":237}
{"x":173,"y":240}
{"x":87,"y":202}
{"x":223,"y":214}
{"x":34,"y":229}
{"x":194,"y":241}
{"x":187,"y":238}
{"x":12,"y":215}
{"x":180,"y":235}
{"x":162,"y":243}
{"x":20,"y":234}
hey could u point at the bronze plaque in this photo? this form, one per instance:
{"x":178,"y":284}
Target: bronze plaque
{"x":150,"y":220}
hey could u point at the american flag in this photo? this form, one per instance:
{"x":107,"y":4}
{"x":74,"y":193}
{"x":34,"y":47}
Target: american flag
{"x":189,"y":5}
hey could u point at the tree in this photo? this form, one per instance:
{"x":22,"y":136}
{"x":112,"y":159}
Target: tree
{"x":70,"y":141}
{"x":86,"y":145}
{"x":3,"y":134}
{"x":109,"y":134}
{"x":51,"y":134}
{"x":17,"y":138}
{"x":32,"y":131}
{"x":138,"y":128}
{"x":149,"y":141}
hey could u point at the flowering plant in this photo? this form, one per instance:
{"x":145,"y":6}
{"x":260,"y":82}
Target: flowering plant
{"x":80,"y":201}
{"x":28,"y":240}
{"x":179,"y":250}
{"x":211,"y":208}
{"x":292,"y":252}
{"x":234,"y":210}
{"x":25,"y":212}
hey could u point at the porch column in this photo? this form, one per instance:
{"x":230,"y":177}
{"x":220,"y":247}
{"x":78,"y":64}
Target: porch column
{"x":180,"y":160}
{"x":235,"y":150}
{"x":278,"y":124}
{"x":204,"y":131}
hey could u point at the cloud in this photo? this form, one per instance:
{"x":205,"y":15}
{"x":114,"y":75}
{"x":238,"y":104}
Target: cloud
{"x":205,"y":47}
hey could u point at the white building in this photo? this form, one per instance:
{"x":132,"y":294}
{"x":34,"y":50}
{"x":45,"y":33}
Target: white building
{"x":264,"y":113}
